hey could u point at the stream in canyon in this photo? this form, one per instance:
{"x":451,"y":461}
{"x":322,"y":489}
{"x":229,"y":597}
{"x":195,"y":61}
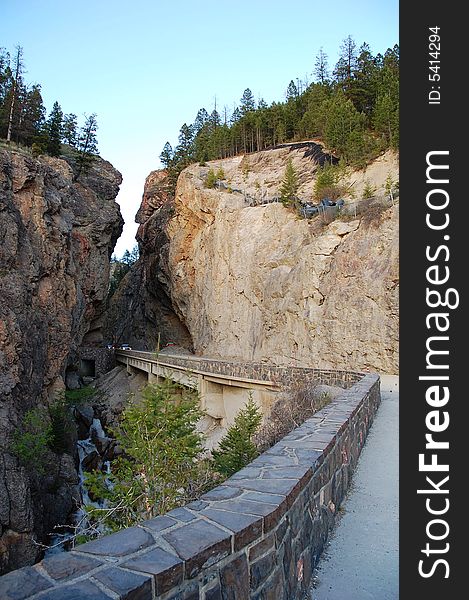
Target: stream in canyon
{"x":94,"y":453}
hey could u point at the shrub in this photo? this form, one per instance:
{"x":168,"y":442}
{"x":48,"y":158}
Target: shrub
{"x":391,"y":187}
{"x":237,"y":448}
{"x":290,"y":185}
{"x":246,"y":168}
{"x":47,"y":429}
{"x":211,"y":179}
{"x":220,"y":174}
{"x":373,"y":215}
{"x":159,"y":469}
{"x":369,"y":190}
{"x":83,"y":394}
{"x":37,"y":149}
{"x":293,"y":407}
{"x":327,"y":182}
{"x":61,"y":417}
{"x":31,"y":440}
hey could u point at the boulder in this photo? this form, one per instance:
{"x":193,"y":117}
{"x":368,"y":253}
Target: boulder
{"x":73,"y":381}
{"x":92,"y":462}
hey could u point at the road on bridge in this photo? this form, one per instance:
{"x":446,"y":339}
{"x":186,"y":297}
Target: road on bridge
{"x":361,"y":561}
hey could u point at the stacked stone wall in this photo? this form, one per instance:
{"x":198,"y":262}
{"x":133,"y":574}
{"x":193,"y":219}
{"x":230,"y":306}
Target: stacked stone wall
{"x":257,"y":536}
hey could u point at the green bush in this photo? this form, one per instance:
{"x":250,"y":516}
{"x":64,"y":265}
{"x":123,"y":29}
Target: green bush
{"x":74,"y":397}
{"x":220,"y":174}
{"x":37,"y":149}
{"x":31,"y":440}
{"x":290,"y":185}
{"x":237,"y":448}
{"x":61,"y":417}
{"x":48,"y":429}
{"x":160,"y":468}
{"x":211,"y":179}
{"x":327,"y":182}
{"x":369,"y":190}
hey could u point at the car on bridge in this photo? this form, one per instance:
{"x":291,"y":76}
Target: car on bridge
{"x":124,"y":347}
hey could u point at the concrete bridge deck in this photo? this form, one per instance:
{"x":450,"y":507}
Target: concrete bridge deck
{"x":188,"y":369}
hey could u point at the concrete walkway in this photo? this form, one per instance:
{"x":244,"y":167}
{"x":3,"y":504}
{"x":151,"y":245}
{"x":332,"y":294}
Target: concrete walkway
{"x":361,"y":561}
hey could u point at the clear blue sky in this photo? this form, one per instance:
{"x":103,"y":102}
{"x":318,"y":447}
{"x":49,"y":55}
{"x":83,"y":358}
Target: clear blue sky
{"x":146,"y":66}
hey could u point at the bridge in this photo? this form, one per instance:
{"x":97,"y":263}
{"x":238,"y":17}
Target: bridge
{"x":223,"y":391}
{"x":224,"y":386}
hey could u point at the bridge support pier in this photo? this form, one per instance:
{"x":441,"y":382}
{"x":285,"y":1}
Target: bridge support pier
{"x":153,"y":377}
{"x":131,"y":370}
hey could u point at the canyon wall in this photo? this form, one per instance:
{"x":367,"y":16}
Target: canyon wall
{"x":251,"y":280}
{"x":57,"y":236}
{"x":140,"y":311}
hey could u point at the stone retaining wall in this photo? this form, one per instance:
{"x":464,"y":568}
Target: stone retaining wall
{"x":257,"y":536}
{"x":103,"y":358}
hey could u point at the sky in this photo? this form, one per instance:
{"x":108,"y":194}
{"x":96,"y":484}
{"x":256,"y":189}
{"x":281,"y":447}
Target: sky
{"x":145,"y":67}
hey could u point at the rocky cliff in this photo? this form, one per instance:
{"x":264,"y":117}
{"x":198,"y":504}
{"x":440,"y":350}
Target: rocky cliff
{"x":141,"y":312}
{"x":251,"y":280}
{"x":57,"y":236}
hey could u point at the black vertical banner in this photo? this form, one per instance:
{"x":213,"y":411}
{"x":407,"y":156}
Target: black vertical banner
{"x":434,"y":339}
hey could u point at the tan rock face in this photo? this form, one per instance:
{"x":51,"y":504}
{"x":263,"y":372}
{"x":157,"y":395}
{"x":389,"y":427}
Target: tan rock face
{"x":56,"y":238}
{"x":258,"y":283}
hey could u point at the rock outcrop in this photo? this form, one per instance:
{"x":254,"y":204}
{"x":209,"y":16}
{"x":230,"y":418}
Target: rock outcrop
{"x":57,"y":236}
{"x":251,"y":280}
{"x":140,"y":311}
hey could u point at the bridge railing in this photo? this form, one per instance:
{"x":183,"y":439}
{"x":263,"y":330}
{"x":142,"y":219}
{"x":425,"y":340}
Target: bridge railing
{"x":249,"y":370}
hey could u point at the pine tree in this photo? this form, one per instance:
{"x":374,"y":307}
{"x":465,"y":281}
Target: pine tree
{"x":184,"y":150}
{"x":69,"y":130}
{"x":5,"y":74}
{"x":290,"y":185}
{"x":386,"y":108}
{"x":320,"y":68}
{"x":344,"y":126}
{"x":237,"y":448}
{"x":18,"y":70}
{"x":129,"y":258}
{"x":54,"y":130}
{"x":160,"y":468}
{"x":248,"y":102}
{"x":348,"y":54}
{"x":166,"y":156}
{"x":362,"y":90}
{"x":33,"y":116}
{"x":214,"y":119}
{"x":211,"y":179}
{"x":236,"y":116}
{"x":292,"y":91}
{"x":200,"y":120}
{"x":87,"y":145}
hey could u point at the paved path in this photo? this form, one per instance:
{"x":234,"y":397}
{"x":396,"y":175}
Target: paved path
{"x":361,"y":562}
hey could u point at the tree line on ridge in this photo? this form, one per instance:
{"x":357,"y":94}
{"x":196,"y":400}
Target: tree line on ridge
{"x":354,"y":109}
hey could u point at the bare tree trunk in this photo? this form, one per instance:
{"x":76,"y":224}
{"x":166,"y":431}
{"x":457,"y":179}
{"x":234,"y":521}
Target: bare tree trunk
{"x":19,"y":66}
